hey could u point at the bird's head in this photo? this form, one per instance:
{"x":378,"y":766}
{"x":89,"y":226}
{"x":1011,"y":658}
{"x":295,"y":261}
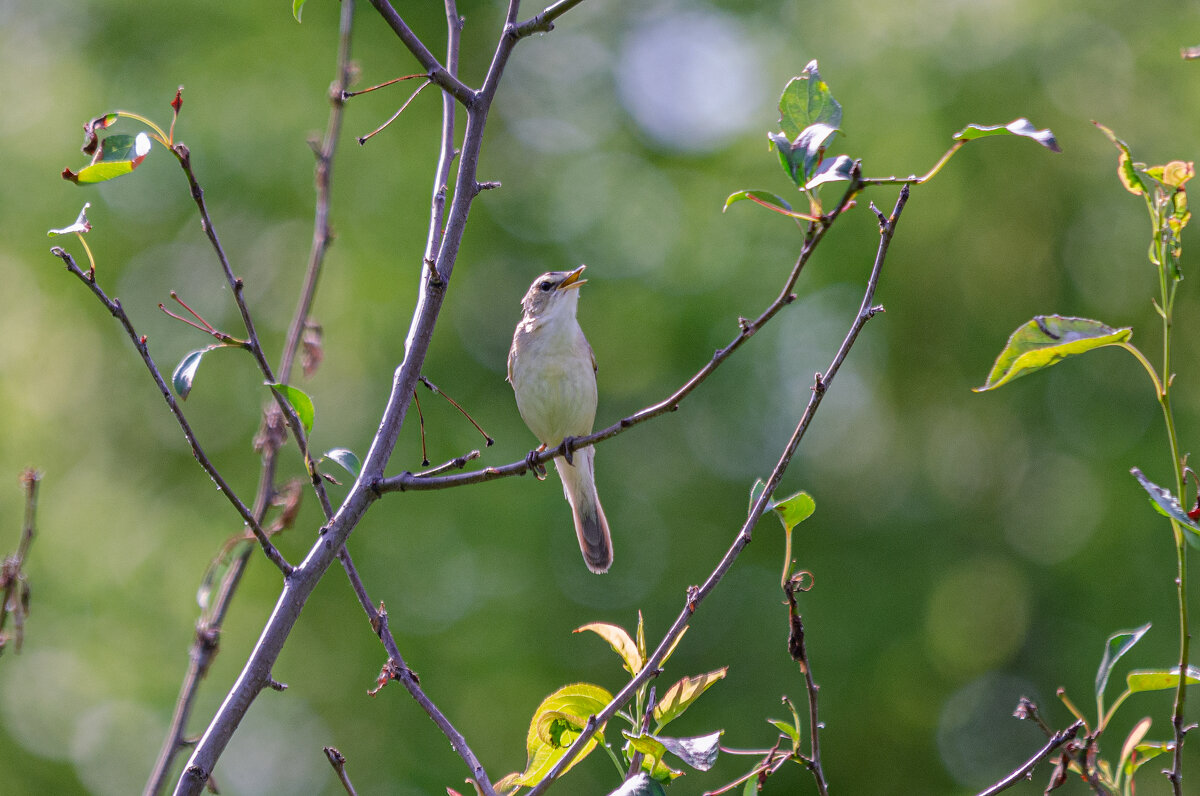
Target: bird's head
{"x":552,"y":293}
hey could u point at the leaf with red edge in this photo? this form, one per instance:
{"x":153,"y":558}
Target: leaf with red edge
{"x":116,"y":156}
{"x":90,"y":139}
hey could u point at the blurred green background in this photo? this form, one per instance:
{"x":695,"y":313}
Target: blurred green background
{"x":967,"y":549}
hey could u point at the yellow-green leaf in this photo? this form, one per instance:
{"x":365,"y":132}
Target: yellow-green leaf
{"x":1126,"y":169}
{"x":794,"y":510}
{"x":1046,"y":340}
{"x":1145,"y":752}
{"x":569,"y":706}
{"x":1160,"y":679}
{"x":620,"y":641}
{"x":681,"y":695}
{"x":300,"y":403}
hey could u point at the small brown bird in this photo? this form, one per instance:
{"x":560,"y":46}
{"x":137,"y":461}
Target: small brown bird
{"x":553,"y":373}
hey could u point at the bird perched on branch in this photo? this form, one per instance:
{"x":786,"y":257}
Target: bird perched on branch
{"x":553,"y":373}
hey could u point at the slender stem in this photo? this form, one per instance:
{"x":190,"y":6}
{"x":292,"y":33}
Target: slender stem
{"x":1141,"y":358}
{"x":1167,"y":294}
{"x":914,"y":179}
{"x":184,"y":156}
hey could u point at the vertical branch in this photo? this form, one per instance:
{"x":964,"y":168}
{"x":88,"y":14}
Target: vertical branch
{"x":256,"y":673}
{"x":323,"y":177}
{"x":14,"y":591}
{"x":208,"y":628}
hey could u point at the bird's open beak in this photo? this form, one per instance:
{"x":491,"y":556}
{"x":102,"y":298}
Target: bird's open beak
{"x":573,"y":279}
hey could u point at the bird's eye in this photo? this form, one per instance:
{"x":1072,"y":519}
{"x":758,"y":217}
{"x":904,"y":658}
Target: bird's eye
{"x":545,"y":285}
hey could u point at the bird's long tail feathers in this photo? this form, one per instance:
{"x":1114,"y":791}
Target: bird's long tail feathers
{"x":591,"y":526}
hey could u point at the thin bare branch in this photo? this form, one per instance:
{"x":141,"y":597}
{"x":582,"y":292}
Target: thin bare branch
{"x":362,"y":139}
{"x":184,"y":156}
{"x":14,"y":589}
{"x":544,"y":22}
{"x":338,"y":761}
{"x":1022,"y":772}
{"x":139,"y":342}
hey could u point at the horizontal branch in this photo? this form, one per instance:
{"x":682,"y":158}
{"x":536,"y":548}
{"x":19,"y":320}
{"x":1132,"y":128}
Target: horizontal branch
{"x":408,"y":481}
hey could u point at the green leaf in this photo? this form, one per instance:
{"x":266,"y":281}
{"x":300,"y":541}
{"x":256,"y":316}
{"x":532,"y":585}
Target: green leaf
{"x":839,"y":169}
{"x":185,"y":372}
{"x":639,"y":784}
{"x":569,"y":706}
{"x":790,"y":160}
{"x":761,"y":197}
{"x":118,"y":155}
{"x":1146,"y":752}
{"x":807,"y":100}
{"x":1117,"y":645}
{"x":756,"y":492}
{"x":620,"y":641}
{"x":681,"y":695}
{"x":1126,"y":169}
{"x":1141,"y":680}
{"x":1022,"y":127}
{"x":652,"y":750}
{"x":1167,"y":504}
{"x":346,"y":458}
{"x":1044,"y":341}
{"x":699,"y":752}
{"x":794,"y":510}
{"x":812,"y":142}
{"x":297,"y":8}
{"x":788,"y":729}
{"x":559,"y":729}
{"x":768,"y":200}
{"x":81,"y":224}
{"x":300,"y":403}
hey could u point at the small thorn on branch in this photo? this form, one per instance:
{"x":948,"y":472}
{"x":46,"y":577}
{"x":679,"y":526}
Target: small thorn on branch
{"x":275,"y":685}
